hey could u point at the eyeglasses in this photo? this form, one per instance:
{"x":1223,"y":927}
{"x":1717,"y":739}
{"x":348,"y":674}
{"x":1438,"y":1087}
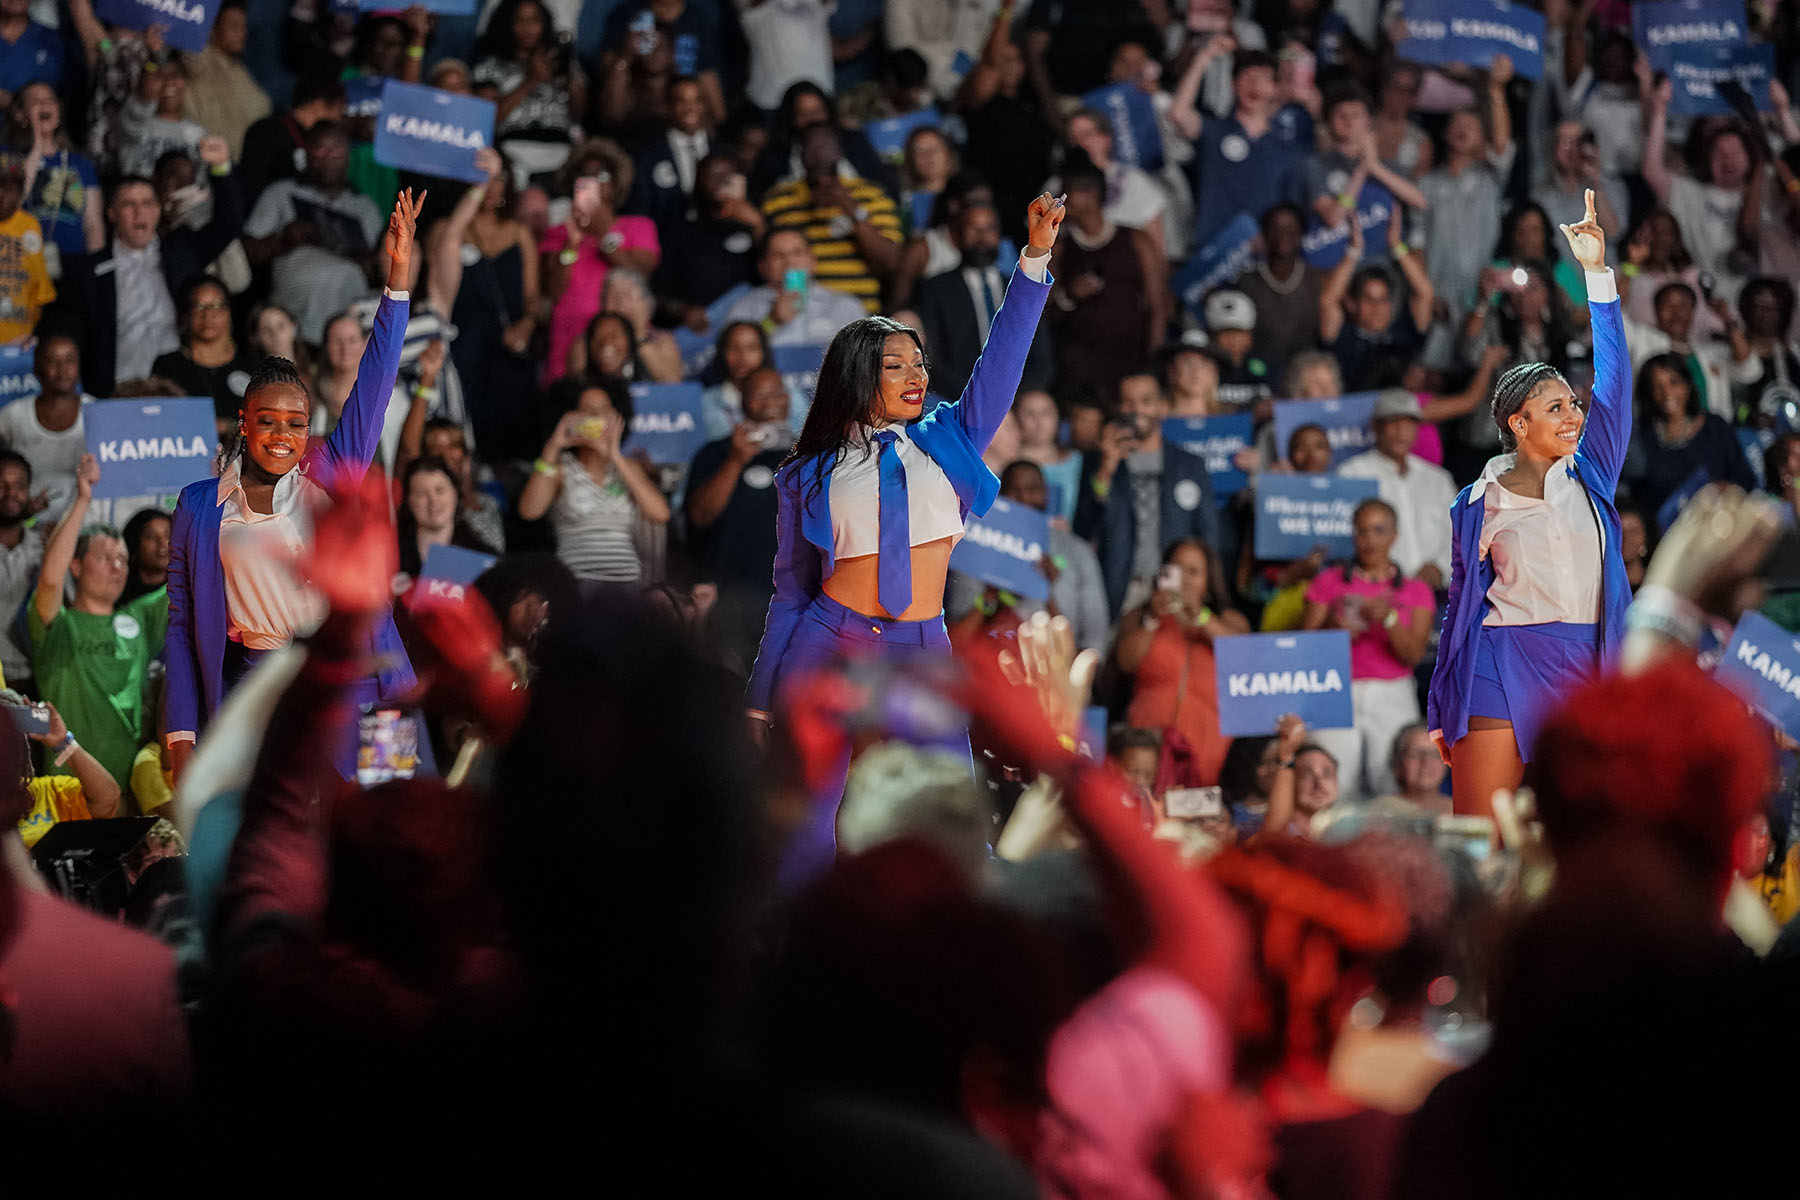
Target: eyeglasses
{"x":211,"y":306}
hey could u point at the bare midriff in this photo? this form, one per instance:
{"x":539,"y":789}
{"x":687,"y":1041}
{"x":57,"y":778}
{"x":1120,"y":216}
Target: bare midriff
{"x":853,"y":583}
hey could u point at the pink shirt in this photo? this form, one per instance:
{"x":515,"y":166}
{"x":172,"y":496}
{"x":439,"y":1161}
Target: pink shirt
{"x":1430,"y":445}
{"x":1371,"y":654}
{"x":580,"y":301}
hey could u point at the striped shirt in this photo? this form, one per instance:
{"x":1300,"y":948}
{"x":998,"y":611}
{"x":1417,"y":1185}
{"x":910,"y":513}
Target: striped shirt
{"x":594,"y":523}
{"x":840,"y":266}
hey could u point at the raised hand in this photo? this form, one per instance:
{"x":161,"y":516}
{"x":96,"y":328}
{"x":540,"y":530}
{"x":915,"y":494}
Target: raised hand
{"x":214,"y":151}
{"x":399,"y":242}
{"x":1587,"y":241}
{"x":87,"y":474}
{"x":1044,"y":218}
{"x":489,"y":162}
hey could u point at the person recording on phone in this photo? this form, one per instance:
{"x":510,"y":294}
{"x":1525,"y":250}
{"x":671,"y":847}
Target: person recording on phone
{"x":86,"y":792}
{"x":234,"y":589}
{"x":791,"y":307}
{"x":1538,"y":589}
{"x":877,"y":491}
{"x":1141,"y":495}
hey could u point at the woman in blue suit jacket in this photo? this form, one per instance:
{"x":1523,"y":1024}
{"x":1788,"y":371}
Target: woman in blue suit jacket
{"x":876,"y":490}
{"x":233,"y":589}
{"x":1538,"y":593}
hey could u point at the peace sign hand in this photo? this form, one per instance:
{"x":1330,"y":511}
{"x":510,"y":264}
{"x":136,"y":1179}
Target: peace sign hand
{"x":1587,"y":241}
{"x":401,"y":227}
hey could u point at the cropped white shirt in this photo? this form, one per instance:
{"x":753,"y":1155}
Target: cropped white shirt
{"x":1546,"y":553}
{"x":931,"y":502}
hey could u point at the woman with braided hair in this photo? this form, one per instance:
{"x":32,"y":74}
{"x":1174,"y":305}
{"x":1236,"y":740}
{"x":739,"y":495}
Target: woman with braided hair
{"x":1538,"y":591}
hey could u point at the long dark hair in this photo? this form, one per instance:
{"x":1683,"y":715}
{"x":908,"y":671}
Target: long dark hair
{"x":848,"y":389}
{"x":1643,"y":394}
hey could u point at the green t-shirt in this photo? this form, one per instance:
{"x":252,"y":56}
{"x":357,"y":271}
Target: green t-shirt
{"x":92,"y":668}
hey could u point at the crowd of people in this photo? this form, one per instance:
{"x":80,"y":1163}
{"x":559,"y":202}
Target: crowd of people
{"x":629,"y":408}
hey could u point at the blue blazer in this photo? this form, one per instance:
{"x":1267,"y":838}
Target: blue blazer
{"x":954,"y":435}
{"x":1597,"y":464}
{"x":197,"y":615}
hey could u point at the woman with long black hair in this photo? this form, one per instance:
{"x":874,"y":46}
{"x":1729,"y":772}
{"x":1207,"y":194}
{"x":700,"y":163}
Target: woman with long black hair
{"x":876,"y":490}
{"x":1538,"y":589}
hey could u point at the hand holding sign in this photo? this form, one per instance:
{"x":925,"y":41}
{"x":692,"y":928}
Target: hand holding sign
{"x":1587,"y":241}
{"x":87,"y":474}
{"x":401,"y":227}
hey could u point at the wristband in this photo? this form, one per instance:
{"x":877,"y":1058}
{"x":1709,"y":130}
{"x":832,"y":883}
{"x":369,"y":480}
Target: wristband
{"x":768,"y":324}
{"x":541,"y":467}
{"x":221,"y":170}
{"x":1346,"y":200}
{"x":106,"y":45}
{"x":985,"y":606}
{"x":1100,"y":490}
{"x":427,"y":390}
{"x":68,"y":747}
{"x":569,"y":257}
{"x":1656,"y":609}
{"x":1286,"y":764}
{"x":1203,"y":616}
{"x":149,"y":66}
{"x":757,"y":714}
{"x":1401,"y":249}
{"x":1630,"y":270}
{"x":415,"y":52}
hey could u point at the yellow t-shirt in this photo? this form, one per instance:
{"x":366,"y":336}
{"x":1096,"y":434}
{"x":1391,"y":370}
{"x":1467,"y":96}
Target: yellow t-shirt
{"x":150,"y":784}
{"x":25,"y":285}
{"x":53,"y":798}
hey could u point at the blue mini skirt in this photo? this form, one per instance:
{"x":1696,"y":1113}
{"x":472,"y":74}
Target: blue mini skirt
{"x":1524,"y":673}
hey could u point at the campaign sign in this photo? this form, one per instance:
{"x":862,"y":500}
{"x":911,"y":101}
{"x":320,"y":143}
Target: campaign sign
{"x":1217,"y":263}
{"x":1671,"y":508}
{"x":432,"y":132}
{"x":1442,"y":32}
{"x":1762,"y":665}
{"x":799,"y":367}
{"x":667,"y":423}
{"x":1296,"y":514}
{"x":1662,"y":28}
{"x":1264,"y":676}
{"x":447,"y":573}
{"x":889,"y":136}
{"x":1217,"y":440}
{"x":16,"y":379}
{"x":150,"y":447}
{"x":362,"y":96}
{"x":186,"y":24}
{"x":1323,"y":246}
{"x":1136,"y":140}
{"x":448,"y":8}
{"x":697,"y":349}
{"x":1346,"y":421}
{"x":1005,"y":548}
{"x":1696,"y":71}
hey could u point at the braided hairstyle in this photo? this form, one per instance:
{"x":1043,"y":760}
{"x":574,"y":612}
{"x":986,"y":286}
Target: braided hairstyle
{"x":1511,"y":392}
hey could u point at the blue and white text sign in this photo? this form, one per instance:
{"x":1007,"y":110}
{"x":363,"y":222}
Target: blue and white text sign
{"x":1442,"y":32}
{"x":1218,"y":440}
{"x":186,"y":24}
{"x":1762,"y":664}
{"x":1295,"y":514}
{"x":150,"y":447}
{"x":432,"y":132}
{"x":1264,"y":676}
{"x":667,"y":423}
{"x":1005,"y":549}
{"x":1346,"y":421}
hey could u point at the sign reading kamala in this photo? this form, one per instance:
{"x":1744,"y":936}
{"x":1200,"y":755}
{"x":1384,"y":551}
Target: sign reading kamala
{"x":1441,"y":32}
{"x":1217,"y":440}
{"x":432,"y":132}
{"x":447,"y":573}
{"x":799,"y":367}
{"x":888,"y":136}
{"x":1005,"y":549}
{"x":1345,"y":421}
{"x":16,"y":379}
{"x":1659,"y":28}
{"x":1297,"y":513}
{"x":1217,"y":263}
{"x":186,"y":24}
{"x":1136,"y":140}
{"x":667,"y":424}
{"x":150,"y":447}
{"x":1696,"y":71}
{"x":1264,"y":676}
{"x":1762,"y":664}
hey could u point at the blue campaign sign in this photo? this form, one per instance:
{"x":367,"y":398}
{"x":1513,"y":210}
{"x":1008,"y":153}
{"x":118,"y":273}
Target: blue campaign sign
{"x":1323,"y":246}
{"x":1696,"y":71}
{"x":448,"y":8}
{"x":150,"y":447}
{"x":1671,"y":508}
{"x":799,"y":367}
{"x":889,"y":136}
{"x":1005,"y":548}
{"x":447,"y":573}
{"x":697,"y":348}
{"x":432,"y":132}
{"x":16,"y":379}
{"x":1345,"y":421}
{"x":186,"y":24}
{"x":1217,"y":440}
{"x":1441,"y":32}
{"x":1217,"y":263}
{"x":362,"y":95}
{"x":667,"y":422}
{"x":1136,"y":140}
{"x":1762,"y":664}
{"x":1264,"y":676}
{"x":1660,"y":29}
{"x":1296,"y":514}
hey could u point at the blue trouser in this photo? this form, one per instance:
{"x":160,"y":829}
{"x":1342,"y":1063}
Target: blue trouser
{"x":828,"y":633}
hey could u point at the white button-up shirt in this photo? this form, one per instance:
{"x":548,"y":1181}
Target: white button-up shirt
{"x":1422,"y":496}
{"x":266,"y":603}
{"x":1546,"y":553}
{"x":145,"y":313}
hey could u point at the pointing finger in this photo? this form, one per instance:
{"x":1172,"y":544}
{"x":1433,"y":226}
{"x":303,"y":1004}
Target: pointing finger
{"x":1590,"y":218}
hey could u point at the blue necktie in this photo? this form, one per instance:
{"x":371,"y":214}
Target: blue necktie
{"x":893,"y":572}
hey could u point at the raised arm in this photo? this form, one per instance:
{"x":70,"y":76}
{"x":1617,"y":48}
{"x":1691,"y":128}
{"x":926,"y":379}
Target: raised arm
{"x":797,"y":582}
{"x":1337,"y":285}
{"x":59,"y":551}
{"x":1656,"y":145}
{"x":353,"y":443}
{"x":98,"y":787}
{"x":994,"y":383}
{"x":1184,"y":110}
{"x":1500,"y":73}
{"x":1608,"y":427}
{"x":443,"y":244}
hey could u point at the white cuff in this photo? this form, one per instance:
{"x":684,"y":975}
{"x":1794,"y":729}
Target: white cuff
{"x":1602,"y":286}
{"x":1035,"y":266}
{"x":180,"y":735}
{"x":391,"y":294}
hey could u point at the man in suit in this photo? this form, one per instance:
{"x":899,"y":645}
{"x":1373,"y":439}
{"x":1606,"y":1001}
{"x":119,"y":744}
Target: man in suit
{"x":956,"y":307}
{"x":666,"y":164}
{"x":1139,"y":495}
{"x":121,"y":298}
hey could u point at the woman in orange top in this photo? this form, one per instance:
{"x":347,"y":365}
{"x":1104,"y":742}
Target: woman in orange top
{"x":1165,"y":646}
